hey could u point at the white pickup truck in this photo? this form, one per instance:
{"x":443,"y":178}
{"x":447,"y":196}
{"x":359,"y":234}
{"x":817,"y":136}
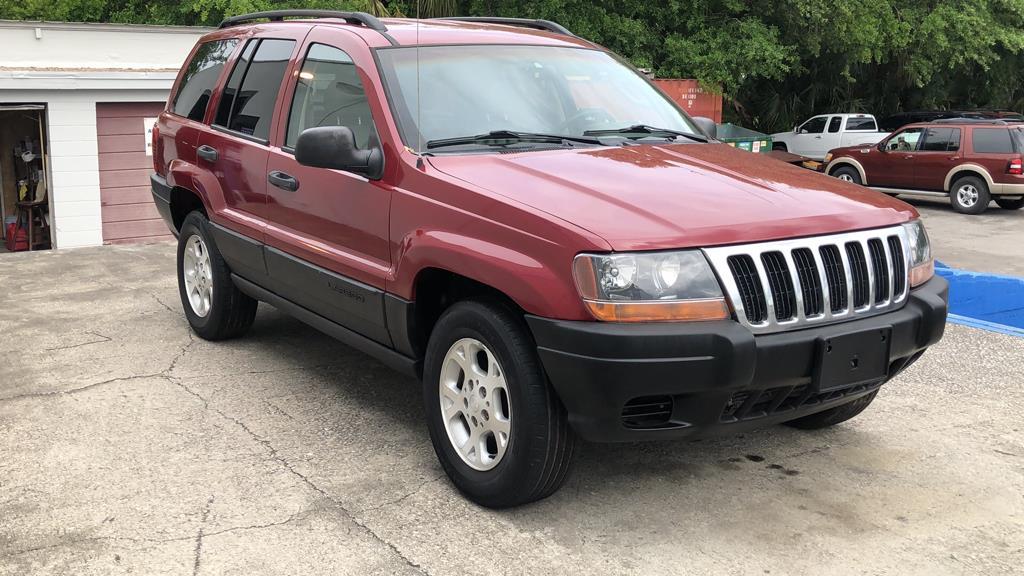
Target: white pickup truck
{"x":815,"y":137}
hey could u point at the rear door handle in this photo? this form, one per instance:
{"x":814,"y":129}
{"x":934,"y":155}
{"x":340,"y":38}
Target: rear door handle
{"x":208,"y":153}
{"x":283,"y":181}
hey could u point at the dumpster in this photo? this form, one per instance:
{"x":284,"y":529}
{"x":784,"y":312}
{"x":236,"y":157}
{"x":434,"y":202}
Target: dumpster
{"x":744,"y":138}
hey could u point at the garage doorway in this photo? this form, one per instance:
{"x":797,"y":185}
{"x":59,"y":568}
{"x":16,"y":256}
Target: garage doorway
{"x":125,"y":163}
{"x":26,"y":203}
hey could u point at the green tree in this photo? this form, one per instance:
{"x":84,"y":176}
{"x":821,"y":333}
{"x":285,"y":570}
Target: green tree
{"x":775,"y":62}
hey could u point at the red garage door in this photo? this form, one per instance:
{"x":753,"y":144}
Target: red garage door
{"x":128,"y":211}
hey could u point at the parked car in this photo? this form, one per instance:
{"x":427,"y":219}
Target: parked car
{"x":520,"y":220}
{"x":815,"y":137}
{"x":971,"y":161}
{"x":901,"y":119}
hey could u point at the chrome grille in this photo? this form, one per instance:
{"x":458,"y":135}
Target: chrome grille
{"x":791,"y":284}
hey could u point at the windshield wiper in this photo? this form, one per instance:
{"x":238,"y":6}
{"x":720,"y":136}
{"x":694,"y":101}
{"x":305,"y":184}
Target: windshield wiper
{"x":505,"y":137}
{"x":646,"y":130}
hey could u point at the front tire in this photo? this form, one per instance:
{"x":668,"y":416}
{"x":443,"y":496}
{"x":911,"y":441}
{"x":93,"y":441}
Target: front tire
{"x":1010,"y":203}
{"x":497,"y":427}
{"x":833,"y":416}
{"x":847,"y":174}
{"x":969,"y":195}
{"x":214,"y":307}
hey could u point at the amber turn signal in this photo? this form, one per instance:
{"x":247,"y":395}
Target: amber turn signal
{"x":922,"y":273}
{"x":678,"y":311}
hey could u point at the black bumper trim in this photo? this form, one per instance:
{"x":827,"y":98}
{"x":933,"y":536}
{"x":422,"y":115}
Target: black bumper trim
{"x":162,"y":200}
{"x":596,"y":368}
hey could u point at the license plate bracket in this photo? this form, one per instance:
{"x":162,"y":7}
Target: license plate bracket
{"x":851,"y":359}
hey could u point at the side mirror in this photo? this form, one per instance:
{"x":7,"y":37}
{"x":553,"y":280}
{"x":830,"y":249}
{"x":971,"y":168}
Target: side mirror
{"x":707,"y":126}
{"x":335,"y":147}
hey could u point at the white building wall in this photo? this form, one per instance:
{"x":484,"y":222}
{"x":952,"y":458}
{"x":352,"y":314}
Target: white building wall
{"x":69,"y":68}
{"x":74,"y":156}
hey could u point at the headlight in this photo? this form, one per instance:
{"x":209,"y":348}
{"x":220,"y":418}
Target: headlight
{"x":828,"y":158}
{"x":649,"y":287}
{"x":922,"y":267}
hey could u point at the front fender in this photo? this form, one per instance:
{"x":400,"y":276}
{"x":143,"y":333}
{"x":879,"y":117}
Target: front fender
{"x":543,"y":288}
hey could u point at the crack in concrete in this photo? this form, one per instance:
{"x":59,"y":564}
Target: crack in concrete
{"x":165,"y":373}
{"x":199,"y":537}
{"x":206,"y":536}
{"x":97,"y":334}
{"x":81,"y":388}
{"x":164,"y":304}
{"x":419,"y":487}
{"x":303,"y":478}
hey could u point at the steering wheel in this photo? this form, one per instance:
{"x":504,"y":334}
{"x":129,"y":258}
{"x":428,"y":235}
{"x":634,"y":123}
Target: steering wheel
{"x":586,"y":119}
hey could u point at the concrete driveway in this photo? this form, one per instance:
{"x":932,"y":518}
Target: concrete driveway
{"x":131,"y":447}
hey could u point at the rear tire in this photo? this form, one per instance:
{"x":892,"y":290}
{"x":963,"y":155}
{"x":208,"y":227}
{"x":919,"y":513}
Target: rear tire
{"x":833,"y":416}
{"x":214,"y":307}
{"x":780,"y":147}
{"x":969,"y":195}
{"x":482,"y":379}
{"x":1010,"y":203}
{"x":847,"y":174}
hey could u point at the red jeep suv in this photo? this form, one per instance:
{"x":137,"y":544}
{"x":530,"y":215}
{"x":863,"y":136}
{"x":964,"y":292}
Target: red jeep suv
{"x":520,"y":220}
{"x":971,"y":161}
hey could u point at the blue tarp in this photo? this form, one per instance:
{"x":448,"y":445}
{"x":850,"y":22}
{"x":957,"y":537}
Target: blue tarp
{"x":988,"y":301}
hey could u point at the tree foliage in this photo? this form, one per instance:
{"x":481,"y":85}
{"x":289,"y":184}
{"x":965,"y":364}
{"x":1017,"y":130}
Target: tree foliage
{"x":775,"y":61}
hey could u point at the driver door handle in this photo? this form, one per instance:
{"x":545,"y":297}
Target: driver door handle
{"x":283,"y":181}
{"x":208,"y":153}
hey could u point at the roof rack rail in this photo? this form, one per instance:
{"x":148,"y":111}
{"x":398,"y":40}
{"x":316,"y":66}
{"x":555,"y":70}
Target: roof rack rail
{"x":547,"y":25}
{"x":966,"y":120}
{"x":362,"y":18}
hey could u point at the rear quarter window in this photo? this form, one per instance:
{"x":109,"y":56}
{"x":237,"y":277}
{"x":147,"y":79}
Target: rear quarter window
{"x":991,"y":141}
{"x":861,"y":124}
{"x":200,"y":78}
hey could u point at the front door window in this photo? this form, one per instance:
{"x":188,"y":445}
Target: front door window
{"x":904,"y":141}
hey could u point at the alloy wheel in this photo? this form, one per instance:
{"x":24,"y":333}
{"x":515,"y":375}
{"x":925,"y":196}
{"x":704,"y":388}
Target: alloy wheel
{"x":475,"y":406}
{"x":198,"y":275}
{"x":967,"y":195}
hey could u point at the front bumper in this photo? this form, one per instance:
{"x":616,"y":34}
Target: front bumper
{"x":711,"y":377}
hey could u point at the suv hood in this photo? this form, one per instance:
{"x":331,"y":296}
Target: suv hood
{"x":675,"y":196}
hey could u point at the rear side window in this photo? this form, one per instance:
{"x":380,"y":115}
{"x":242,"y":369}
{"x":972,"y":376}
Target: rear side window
{"x":330,"y":93}
{"x":866,"y":124}
{"x":941,"y":140}
{"x":991,"y":141}
{"x":200,"y":78}
{"x":259,"y":80}
{"x":835,"y":124}
{"x":227,"y":99}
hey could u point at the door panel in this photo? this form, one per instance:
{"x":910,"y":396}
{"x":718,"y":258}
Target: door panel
{"x":939,"y":153}
{"x":333,"y":223}
{"x":236,"y":147}
{"x":896,"y":162}
{"x":808,"y":136}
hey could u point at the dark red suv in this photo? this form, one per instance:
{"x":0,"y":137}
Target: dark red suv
{"x":971,"y":161}
{"x":518,"y":218}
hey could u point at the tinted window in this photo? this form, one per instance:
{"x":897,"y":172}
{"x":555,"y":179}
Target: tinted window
{"x":835,"y":124}
{"x":253,"y":107}
{"x":941,"y":140}
{"x":867,"y":124}
{"x":814,"y":125}
{"x":905,"y":141}
{"x":329,"y":93}
{"x":991,"y":141}
{"x":200,"y":77}
{"x":227,"y":99}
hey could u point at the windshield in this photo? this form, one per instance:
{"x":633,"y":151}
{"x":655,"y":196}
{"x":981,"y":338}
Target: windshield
{"x":471,"y":90}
